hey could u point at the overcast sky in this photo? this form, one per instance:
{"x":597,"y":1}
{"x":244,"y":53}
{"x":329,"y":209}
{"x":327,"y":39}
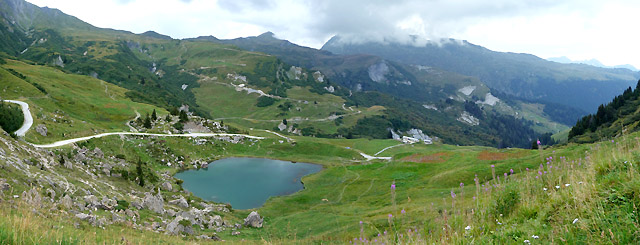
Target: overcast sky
{"x":579,"y":29}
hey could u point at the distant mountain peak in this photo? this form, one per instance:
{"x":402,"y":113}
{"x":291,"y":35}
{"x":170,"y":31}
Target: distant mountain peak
{"x":267,"y":35}
{"x":154,"y":34}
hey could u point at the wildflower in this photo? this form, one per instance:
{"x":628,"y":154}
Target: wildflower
{"x":557,"y":187}
{"x":544,"y":189}
{"x":467,"y":228}
{"x":390,"y":216}
{"x":527,"y":241}
{"x":360,"y":221}
{"x":539,"y":173}
{"x":580,"y":182}
{"x":493,"y":166}
{"x":535,"y":237}
{"x":537,"y":176}
{"x":403,"y":212}
{"x":474,"y":197}
{"x":567,"y":185}
{"x":539,"y":143}
{"x":505,"y":175}
{"x":461,"y":184}
{"x":575,"y":220}
{"x":381,"y":234}
{"x":527,"y":169}
{"x":453,"y":194}
{"x":393,"y":186}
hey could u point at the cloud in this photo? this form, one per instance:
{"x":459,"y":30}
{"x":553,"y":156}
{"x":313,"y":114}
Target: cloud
{"x":242,"y":5}
{"x":578,"y":29}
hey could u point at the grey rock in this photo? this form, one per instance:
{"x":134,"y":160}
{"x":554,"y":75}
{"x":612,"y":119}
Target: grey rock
{"x":92,"y":201}
{"x":215,"y":221}
{"x":66,"y":202}
{"x":237,"y":226}
{"x":235,"y":233}
{"x":136,"y":204}
{"x":83,"y":216}
{"x":41,"y":129}
{"x":116,"y":218}
{"x":107,"y":204}
{"x":4,"y":186}
{"x":203,"y":237}
{"x":171,"y":213}
{"x":98,"y":153}
{"x":154,"y":203}
{"x":180,"y":202}
{"x":220,"y":229}
{"x":98,"y":222}
{"x":166,"y":186}
{"x":175,"y":228}
{"x":253,"y":220}
{"x":32,"y":197}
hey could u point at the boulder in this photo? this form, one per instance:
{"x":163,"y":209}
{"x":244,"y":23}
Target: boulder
{"x":116,"y":218}
{"x":92,"y":201}
{"x":41,"y":129}
{"x":215,"y":221}
{"x":154,"y":203}
{"x":235,"y":233}
{"x":32,"y":197}
{"x":180,"y":202}
{"x":98,"y":153}
{"x":177,"y":226}
{"x":107,"y":204}
{"x":66,"y":202}
{"x":253,"y":220}
{"x":4,"y":186}
{"x":166,"y":186}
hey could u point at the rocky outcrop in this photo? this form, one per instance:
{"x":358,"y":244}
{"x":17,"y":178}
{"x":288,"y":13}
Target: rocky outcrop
{"x":166,"y":186}
{"x":178,"y":226}
{"x":92,"y":201}
{"x":107,"y":204}
{"x":32,"y":197}
{"x":180,"y":202}
{"x":154,"y":203}
{"x":41,"y":129}
{"x":66,"y":202}
{"x":253,"y":220}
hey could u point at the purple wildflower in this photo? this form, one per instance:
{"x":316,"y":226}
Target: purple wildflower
{"x":461,"y":184}
{"x":453,"y":194}
{"x":511,"y":171}
{"x":393,"y":186}
{"x":493,"y":166}
{"x":403,"y":212}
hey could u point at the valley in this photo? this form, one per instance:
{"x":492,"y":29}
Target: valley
{"x":125,"y":138}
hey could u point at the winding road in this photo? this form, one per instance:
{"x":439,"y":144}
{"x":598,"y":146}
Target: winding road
{"x":28,"y":122}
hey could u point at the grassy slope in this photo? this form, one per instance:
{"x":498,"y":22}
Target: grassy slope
{"x":80,"y":105}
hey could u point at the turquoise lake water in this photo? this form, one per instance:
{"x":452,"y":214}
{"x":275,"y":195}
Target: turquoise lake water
{"x":246,"y":183}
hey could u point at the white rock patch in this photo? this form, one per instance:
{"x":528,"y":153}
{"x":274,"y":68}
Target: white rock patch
{"x":467,"y":90}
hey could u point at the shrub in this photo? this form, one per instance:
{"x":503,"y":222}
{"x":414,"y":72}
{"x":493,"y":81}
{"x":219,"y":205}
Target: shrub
{"x":506,"y":202}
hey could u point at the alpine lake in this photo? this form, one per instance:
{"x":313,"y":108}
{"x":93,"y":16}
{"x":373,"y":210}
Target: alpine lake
{"x":246,"y":183}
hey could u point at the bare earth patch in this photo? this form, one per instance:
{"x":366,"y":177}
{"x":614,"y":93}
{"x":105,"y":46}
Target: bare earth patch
{"x":492,"y":156}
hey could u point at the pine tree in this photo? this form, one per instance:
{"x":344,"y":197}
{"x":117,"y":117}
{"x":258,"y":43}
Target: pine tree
{"x":183,"y":117}
{"x":154,"y":116}
{"x":140,"y":173}
{"x":147,"y":122}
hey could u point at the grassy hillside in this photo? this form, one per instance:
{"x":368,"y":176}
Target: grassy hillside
{"x":68,"y":105}
{"x":615,"y":118}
